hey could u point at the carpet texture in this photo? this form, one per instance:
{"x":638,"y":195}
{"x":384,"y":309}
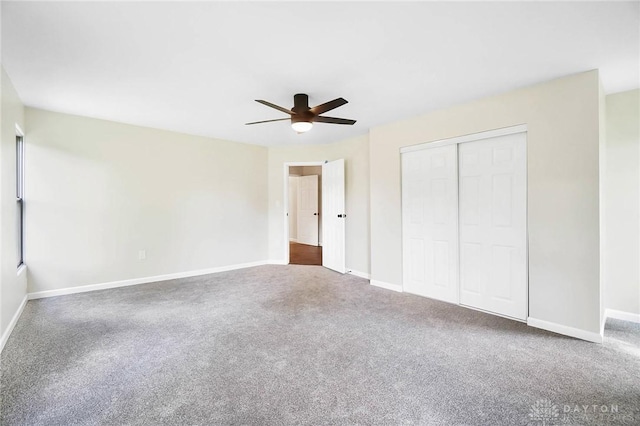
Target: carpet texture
{"x":278,"y":345}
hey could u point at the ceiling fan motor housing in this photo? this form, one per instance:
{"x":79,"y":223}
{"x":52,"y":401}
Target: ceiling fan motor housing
{"x":300,"y":103}
{"x":301,"y":109}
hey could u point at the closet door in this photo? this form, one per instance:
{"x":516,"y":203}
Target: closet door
{"x":429,"y":220}
{"x":493,"y":206}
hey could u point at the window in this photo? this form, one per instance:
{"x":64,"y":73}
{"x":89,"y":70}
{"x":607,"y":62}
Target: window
{"x":19,"y":196}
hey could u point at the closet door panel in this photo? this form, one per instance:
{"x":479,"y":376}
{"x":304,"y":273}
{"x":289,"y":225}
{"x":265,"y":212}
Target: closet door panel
{"x":493,"y":196}
{"x":429,"y":216}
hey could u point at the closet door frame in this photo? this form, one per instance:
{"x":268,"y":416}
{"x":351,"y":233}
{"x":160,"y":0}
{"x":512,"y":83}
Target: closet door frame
{"x":522,"y":128}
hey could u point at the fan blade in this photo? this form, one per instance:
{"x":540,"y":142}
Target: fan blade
{"x":267,"y":121}
{"x":328,"y":106}
{"x":279,"y":108}
{"x":333,"y":120}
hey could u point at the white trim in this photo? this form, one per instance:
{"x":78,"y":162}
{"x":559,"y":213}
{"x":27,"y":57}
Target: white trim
{"x":621,"y":315}
{"x":276,"y":262}
{"x":388,"y":286}
{"x":143,"y":280}
{"x":364,"y":275}
{"x":304,"y":163}
{"x":19,"y":131}
{"x":521,"y":128}
{"x":12,"y":323}
{"x":565,"y":330}
{"x":293,"y":240}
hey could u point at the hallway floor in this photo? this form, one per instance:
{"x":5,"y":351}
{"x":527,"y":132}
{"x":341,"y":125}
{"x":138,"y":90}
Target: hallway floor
{"x":303,"y":254}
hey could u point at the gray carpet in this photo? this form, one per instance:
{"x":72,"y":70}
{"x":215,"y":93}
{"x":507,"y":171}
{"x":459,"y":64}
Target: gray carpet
{"x":277,"y":345}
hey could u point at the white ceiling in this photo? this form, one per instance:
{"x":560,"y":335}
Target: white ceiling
{"x":197,"y":67}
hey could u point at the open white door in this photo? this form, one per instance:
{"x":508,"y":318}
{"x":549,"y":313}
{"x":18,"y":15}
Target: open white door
{"x":308,"y":210}
{"x":333,"y":216}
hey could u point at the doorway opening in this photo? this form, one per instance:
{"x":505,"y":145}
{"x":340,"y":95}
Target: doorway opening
{"x":330,"y":214}
{"x":304,"y":214}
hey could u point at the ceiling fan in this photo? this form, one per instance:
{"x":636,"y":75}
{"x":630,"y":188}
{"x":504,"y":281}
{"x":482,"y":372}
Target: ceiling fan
{"x":303,"y":117}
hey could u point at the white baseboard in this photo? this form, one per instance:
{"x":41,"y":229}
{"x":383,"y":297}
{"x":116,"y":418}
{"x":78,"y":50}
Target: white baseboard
{"x":12,"y":323}
{"x":621,"y":315}
{"x":276,"y":262}
{"x":388,"y":286}
{"x":293,"y":240}
{"x":364,"y":275}
{"x":565,"y":330}
{"x":144,"y":280}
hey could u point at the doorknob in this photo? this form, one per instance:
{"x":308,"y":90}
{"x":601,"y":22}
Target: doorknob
{"x":315,"y":214}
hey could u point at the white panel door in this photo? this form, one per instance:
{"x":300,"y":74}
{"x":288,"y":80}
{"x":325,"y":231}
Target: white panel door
{"x":333,"y":216}
{"x":430,"y":222}
{"x":493,"y":230}
{"x":308,"y":210}
{"x":293,"y":208}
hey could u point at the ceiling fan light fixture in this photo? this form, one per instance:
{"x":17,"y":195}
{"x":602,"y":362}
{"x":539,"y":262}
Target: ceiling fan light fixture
{"x":302,"y":117}
{"x":302,"y":126}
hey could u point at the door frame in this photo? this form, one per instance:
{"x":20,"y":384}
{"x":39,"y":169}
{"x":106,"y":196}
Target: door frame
{"x":286,"y":201}
{"x":503,"y":131}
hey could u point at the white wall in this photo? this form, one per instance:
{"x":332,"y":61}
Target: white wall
{"x":602,"y":205}
{"x":355,"y":151}
{"x":98,"y":192}
{"x":622,"y":240}
{"x":563,"y":195}
{"x":13,"y":287}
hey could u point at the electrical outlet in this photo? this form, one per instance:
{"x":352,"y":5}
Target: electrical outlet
{"x":142,"y":254}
